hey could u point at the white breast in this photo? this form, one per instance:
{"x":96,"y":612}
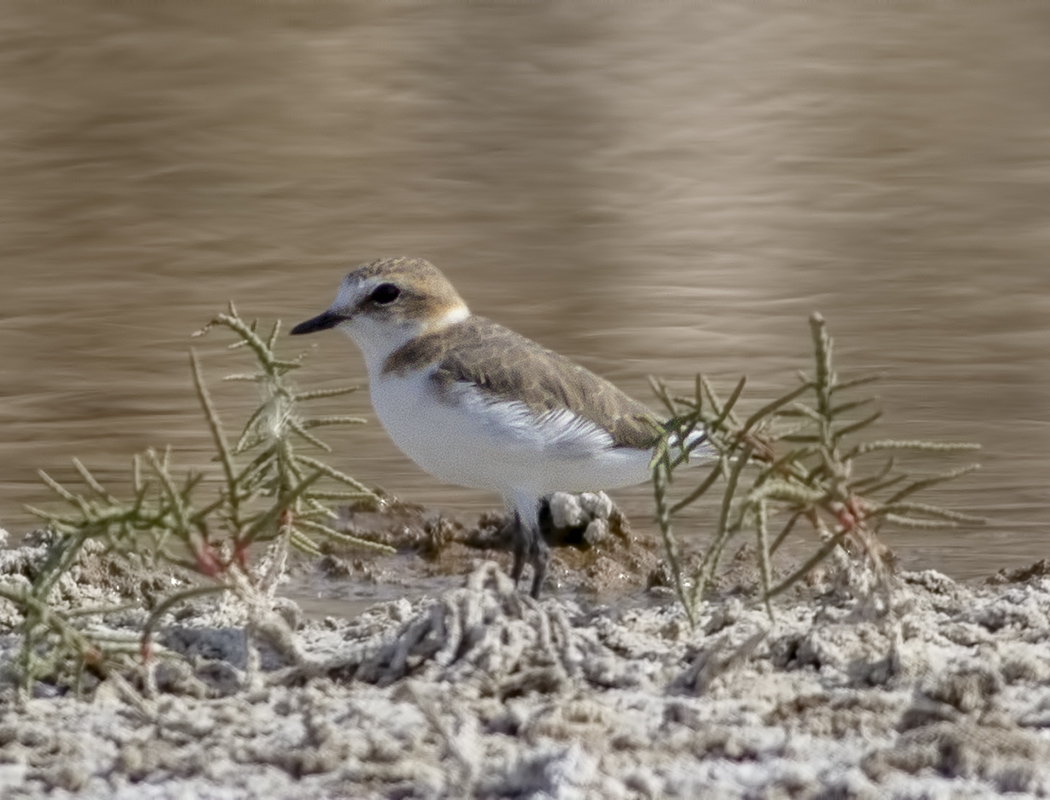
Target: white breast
{"x":462,"y":437}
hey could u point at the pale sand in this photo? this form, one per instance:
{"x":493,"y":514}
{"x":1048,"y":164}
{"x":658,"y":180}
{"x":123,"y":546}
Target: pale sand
{"x":481,"y":692}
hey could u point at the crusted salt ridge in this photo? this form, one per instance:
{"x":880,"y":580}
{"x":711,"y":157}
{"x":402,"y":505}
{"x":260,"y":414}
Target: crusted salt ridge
{"x":482,"y":692}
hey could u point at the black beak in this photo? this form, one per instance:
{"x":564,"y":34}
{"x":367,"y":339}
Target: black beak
{"x":322,"y":322}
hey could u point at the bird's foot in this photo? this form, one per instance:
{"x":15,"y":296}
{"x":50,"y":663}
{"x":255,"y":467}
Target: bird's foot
{"x":540,"y":556}
{"x":529,"y":546}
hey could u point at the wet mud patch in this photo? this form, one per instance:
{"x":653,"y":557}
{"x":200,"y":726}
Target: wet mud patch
{"x":594,"y":552}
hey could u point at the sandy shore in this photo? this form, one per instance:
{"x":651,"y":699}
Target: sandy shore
{"x":482,"y":692}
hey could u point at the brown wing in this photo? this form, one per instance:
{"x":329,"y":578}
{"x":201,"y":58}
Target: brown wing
{"x":510,"y":366}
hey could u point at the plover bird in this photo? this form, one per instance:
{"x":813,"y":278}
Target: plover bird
{"x":475,"y":404}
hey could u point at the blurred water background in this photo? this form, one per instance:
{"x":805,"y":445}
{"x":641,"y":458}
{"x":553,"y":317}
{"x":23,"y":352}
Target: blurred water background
{"x":651,"y":188}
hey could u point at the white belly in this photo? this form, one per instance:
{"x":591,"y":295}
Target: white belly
{"x":467,"y":441}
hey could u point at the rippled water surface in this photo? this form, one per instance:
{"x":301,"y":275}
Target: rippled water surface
{"x":649,"y":188}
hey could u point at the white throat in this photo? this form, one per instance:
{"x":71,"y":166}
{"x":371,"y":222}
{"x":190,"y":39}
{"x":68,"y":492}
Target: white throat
{"x":379,"y":339}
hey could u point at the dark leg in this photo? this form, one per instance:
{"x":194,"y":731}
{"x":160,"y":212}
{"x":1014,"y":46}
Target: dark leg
{"x":528,"y":543}
{"x":521,"y":546}
{"x":539,"y":556}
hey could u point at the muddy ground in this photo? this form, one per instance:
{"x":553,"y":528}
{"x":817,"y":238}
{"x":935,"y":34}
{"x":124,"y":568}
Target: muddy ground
{"x":452,"y":684}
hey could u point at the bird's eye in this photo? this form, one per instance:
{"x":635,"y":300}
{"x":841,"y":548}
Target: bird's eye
{"x":384,"y":294}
